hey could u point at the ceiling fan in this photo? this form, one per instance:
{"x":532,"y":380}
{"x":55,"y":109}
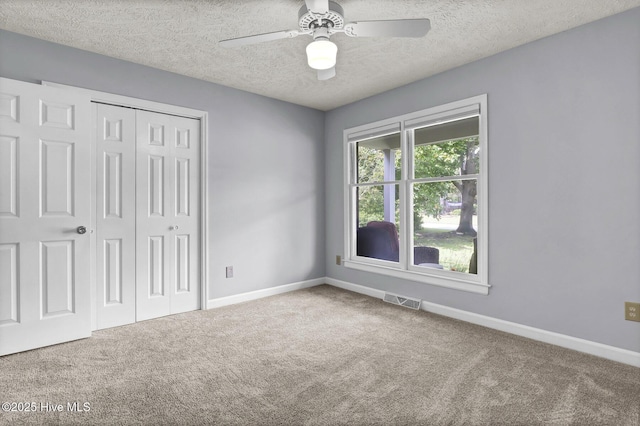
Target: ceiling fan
{"x":323,"y":18}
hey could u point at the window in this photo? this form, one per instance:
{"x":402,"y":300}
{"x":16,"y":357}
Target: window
{"x":416,"y":196}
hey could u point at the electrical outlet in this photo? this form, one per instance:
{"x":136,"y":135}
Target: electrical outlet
{"x":632,"y":311}
{"x":229,"y":271}
{"x":338,"y":260}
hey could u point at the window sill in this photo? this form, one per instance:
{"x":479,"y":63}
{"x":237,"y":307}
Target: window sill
{"x":453,"y":283}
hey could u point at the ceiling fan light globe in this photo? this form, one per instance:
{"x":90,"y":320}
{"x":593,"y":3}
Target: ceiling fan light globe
{"x":321,"y":54}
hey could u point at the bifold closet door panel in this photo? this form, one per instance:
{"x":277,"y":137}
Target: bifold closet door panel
{"x":167,"y":212}
{"x":115,"y":138}
{"x":186,"y":256}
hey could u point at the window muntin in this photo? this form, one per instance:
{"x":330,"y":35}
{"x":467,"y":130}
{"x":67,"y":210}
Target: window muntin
{"x":438,"y":196}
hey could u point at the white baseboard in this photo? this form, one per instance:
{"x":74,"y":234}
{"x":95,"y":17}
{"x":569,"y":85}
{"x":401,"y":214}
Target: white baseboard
{"x":378,"y":294}
{"x":581,"y":345}
{"x":259,"y":294}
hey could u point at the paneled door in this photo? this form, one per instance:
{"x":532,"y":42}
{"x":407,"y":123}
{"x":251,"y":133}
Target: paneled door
{"x":115,"y":136}
{"x":44,"y":216}
{"x":167,"y":215}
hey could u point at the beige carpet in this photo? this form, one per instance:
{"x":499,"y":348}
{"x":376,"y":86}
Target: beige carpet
{"x":320,"y":356}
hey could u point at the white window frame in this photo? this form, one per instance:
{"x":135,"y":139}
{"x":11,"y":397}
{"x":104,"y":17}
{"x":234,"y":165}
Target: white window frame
{"x":475,"y":283}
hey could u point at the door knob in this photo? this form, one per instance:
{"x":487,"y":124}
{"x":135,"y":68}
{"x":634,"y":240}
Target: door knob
{"x":173,"y":228}
{"x":81,"y":230}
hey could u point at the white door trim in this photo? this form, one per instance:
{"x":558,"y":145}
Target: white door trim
{"x":203,"y":116}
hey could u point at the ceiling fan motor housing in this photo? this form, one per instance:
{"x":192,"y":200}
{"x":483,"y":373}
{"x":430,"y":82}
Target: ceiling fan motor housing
{"x":333,"y":19}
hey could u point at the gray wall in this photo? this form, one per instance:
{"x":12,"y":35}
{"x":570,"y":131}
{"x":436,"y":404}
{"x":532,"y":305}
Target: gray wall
{"x":265,"y":158}
{"x":564,"y":180}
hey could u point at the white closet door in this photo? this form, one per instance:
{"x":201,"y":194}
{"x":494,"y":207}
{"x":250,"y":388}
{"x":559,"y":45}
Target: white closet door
{"x":167,"y":226}
{"x":44,"y":198}
{"x":115,"y":138}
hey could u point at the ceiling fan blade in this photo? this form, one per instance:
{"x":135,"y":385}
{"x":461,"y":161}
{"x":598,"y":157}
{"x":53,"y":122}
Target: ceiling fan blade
{"x":327,"y":74}
{"x":259,"y":38}
{"x":392,"y":28}
{"x":318,"y":6}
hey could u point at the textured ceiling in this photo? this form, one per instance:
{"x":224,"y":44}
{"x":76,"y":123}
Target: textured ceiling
{"x":182,"y":37}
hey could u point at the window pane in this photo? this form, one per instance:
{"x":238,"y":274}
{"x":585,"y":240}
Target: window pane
{"x":378,"y":222}
{"x":445,"y":218}
{"x":438,"y":157}
{"x":379,"y":159}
